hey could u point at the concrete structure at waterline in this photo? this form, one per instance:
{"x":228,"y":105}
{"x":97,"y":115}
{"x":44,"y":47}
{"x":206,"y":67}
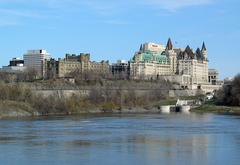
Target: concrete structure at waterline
{"x":183,"y":106}
{"x":166,"y":109}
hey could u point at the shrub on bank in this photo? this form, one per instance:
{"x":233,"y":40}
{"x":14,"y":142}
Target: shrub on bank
{"x":108,"y":106}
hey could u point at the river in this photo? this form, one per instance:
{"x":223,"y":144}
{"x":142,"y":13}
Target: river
{"x":143,"y":139}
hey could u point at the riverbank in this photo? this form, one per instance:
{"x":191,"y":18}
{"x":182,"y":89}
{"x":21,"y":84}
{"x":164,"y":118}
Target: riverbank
{"x":211,"y":108}
{"x":75,"y":107}
{"x":17,"y":109}
{"x":10,"y":109}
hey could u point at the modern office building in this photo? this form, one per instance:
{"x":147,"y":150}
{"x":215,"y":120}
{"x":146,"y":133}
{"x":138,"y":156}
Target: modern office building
{"x":35,"y":59}
{"x":16,"y":65}
{"x":213,"y":76}
{"x":16,"y":62}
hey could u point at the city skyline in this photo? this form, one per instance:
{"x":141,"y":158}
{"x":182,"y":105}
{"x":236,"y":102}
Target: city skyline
{"x":114,"y":30}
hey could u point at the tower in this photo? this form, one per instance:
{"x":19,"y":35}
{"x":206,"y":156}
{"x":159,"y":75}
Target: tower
{"x":198,"y":54}
{"x":172,"y":56}
{"x":35,"y":60}
{"x":141,"y":48}
{"x":169,"y":44}
{"x":204,"y":51}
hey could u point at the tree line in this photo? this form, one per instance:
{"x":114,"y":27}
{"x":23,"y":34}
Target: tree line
{"x":230,"y":93}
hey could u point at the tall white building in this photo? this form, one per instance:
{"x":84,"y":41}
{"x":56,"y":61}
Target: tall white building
{"x":35,"y":59}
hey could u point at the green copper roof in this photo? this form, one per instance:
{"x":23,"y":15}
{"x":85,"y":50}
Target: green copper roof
{"x":149,"y":56}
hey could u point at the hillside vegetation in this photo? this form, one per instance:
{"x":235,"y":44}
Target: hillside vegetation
{"x":104,"y":96}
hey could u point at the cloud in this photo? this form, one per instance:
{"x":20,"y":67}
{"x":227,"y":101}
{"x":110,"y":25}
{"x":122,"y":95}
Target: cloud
{"x":110,"y":5}
{"x":115,"y":22}
{"x":18,"y":12}
{"x":174,"y":5}
{"x":105,"y":6}
{"x":11,"y":12}
{"x":106,"y":10}
{"x":4,"y":23}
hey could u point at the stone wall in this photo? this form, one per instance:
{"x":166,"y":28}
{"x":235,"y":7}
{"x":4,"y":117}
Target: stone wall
{"x":184,"y":93}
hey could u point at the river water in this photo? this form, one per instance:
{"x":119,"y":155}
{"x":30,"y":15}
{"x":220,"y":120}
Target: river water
{"x":122,"y":139}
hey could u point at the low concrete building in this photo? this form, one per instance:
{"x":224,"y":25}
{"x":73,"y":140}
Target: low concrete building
{"x":213,"y":76}
{"x":16,"y":65}
{"x":121,"y":70}
{"x":13,"y":69}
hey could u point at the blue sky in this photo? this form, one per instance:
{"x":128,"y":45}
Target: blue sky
{"x":114,"y":30}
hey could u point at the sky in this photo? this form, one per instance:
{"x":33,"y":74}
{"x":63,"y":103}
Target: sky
{"x":113,"y":29}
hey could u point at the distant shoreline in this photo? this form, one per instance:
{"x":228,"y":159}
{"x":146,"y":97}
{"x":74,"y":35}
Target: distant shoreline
{"x":12,"y":109}
{"x":211,"y":108}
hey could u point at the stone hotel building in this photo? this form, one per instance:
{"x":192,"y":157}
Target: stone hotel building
{"x":155,"y":60}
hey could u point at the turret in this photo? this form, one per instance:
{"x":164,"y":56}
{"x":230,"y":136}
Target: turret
{"x":172,"y":55}
{"x":189,"y":52}
{"x":141,"y":48}
{"x":169,"y":45}
{"x":204,"y":51}
{"x":199,"y":54}
{"x":204,"y":47}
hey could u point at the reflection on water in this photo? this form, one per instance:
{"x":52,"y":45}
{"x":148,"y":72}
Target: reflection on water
{"x":122,"y":139}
